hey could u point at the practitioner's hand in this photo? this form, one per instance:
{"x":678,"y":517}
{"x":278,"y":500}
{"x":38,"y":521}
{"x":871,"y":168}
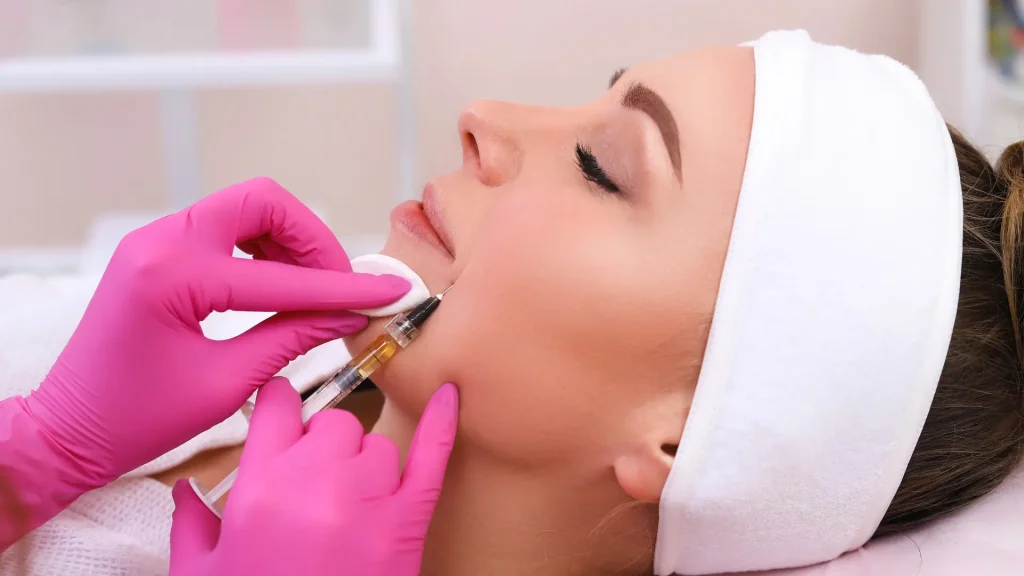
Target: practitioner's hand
{"x":330,"y":501}
{"x":138,"y":378}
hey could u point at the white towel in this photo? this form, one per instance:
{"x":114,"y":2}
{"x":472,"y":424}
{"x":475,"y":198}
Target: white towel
{"x":833,"y":317}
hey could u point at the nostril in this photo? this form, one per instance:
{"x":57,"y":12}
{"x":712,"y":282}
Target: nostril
{"x":489,"y":153}
{"x":470,"y":150}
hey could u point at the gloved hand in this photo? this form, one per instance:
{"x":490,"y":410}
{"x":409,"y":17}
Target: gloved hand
{"x":138,"y":378}
{"x":329,"y":501}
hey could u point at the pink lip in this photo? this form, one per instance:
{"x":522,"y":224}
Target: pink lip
{"x":409,"y":217}
{"x":433,"y":209}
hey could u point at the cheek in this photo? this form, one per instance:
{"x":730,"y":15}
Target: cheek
{"x":547,"y":330}
{"x":542,"y":332}
{"x":500,"y":336}
{"x":526,"y":397}
{"x":508,"y":334}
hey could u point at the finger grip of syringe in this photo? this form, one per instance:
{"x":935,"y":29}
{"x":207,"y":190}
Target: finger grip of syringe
{"x":328,"y":395}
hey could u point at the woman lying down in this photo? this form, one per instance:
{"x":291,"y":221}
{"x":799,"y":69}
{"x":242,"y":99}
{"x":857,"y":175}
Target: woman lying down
{"x":749,"y":309}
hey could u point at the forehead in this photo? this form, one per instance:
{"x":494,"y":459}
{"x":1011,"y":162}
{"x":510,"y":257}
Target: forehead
{"x":719,"y":77}
{"x":702,"y":87}
{"x":710,"y":93}
{"x":713,"y":68}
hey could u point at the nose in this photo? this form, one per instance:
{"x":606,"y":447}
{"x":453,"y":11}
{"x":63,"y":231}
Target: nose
{"x":491,"y":142}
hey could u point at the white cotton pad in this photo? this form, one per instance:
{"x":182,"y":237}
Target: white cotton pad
{"x":381,"y":264}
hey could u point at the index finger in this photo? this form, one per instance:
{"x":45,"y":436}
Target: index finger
{"x":431,"y":446}
{"x":266,"y":286}
{"x":263,"y":208}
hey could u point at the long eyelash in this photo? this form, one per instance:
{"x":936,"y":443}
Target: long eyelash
{"x":592,"y":171}
{"x":615,"y":77}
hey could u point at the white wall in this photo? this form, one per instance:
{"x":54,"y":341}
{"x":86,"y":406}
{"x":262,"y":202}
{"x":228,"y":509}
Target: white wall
{"x":65,"y":158}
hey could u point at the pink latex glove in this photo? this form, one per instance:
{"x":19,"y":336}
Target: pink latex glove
{"x":138,"y":378}
{"x":330,"y":501}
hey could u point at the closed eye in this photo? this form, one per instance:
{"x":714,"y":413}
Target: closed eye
{"x":592,"y":171}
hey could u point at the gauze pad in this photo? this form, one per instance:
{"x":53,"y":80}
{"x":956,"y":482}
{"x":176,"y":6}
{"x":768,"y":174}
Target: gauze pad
{"x":381,"y":264}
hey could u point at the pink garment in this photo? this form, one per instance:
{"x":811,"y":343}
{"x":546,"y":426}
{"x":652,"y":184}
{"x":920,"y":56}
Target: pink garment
{"x":139,"y":378}
{"x":327,"y":501}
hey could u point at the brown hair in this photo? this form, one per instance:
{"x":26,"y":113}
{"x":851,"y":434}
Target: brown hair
{"x":974,"y":435}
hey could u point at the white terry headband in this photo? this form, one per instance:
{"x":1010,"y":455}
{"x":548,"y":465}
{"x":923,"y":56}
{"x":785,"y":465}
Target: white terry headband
{"x":833,"y":317}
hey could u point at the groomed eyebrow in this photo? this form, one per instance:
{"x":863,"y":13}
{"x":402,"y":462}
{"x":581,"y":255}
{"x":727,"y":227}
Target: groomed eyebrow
{"x":642,"y":98}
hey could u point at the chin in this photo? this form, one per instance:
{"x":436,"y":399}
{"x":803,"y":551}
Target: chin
{"x":415,"y":373}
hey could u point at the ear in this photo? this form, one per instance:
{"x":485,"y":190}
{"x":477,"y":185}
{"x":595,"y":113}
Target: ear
{"x":652,"y":437}
{"x":643,"y":472}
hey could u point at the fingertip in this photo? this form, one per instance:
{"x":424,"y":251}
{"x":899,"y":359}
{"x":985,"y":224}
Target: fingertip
{"x":444,"y":406}
{"x":372,"y":290}
{"x":276,"y":400}
{"x":278,"y":381}
{"x":433,"y":442}
{"x":277,"y":390}
{"x":339,"y":429}
{"x":389,"y":286}
{"x":448,"y":395}
{"x":396,"y":283}
{"x":276,"y":423}
{"x":194,"y":527}
{"x":340,"y":422}
{"x":180,"y":489}
{"x":188,"y":502}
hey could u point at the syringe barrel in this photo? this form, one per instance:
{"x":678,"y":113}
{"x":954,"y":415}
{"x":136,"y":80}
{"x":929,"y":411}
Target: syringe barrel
{"x":332,"y":391}
{"x":401,"y":330}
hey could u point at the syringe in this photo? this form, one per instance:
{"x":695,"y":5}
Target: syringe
{"x":399,"y":332}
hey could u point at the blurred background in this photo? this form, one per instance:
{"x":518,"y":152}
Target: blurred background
{"x":114,"y":112}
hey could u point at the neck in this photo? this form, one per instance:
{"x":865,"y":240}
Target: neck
{"x":499,"y":519}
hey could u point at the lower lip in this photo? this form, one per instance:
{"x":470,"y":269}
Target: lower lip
{"x":409,"y":218}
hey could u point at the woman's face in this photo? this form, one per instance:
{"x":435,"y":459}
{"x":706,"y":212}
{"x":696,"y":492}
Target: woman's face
{"x":585,"y":246}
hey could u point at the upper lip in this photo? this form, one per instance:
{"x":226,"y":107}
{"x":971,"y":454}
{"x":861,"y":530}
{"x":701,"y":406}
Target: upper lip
{"x":433,"y":209}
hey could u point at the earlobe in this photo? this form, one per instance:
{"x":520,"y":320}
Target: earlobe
{"x":642,"y":473}
{"x":644,"y":461}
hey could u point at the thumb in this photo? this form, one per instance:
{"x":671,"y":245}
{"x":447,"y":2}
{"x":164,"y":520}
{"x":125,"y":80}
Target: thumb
{"x":265,"y":349}
{"x":431,"y":447}
{"x":276,"y":425}
{"x":194,"y":528}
